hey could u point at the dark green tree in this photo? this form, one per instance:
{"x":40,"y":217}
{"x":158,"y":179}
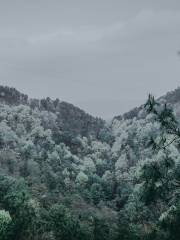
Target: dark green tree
{"x":63,"y":225}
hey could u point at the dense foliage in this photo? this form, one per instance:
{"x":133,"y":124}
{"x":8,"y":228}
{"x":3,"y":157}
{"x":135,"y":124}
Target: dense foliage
{"x":119,"y":181}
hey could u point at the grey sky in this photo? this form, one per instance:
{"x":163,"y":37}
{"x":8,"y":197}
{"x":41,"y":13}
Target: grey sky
{"x":103,"y":55}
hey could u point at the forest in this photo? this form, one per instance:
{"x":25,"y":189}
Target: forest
{"x":65,"y":175}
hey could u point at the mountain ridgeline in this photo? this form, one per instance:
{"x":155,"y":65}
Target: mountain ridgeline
{"x":65,"y":175}
{"x":171,"y":98}
{"x":70,"y":119}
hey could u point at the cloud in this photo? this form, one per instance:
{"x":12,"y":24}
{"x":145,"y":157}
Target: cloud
{"x":162,"y":22}
{"x":146,"y":23}
{"x":96,"y":62}
{"x":85,"y":34}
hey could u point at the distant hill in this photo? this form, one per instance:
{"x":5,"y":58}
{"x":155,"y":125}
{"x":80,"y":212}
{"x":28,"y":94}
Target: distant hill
{"x":171,"y":98}
{"x":70,"y":119}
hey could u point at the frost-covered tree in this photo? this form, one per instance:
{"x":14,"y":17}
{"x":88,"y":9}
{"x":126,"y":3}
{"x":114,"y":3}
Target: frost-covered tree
{"x":5,"y":220}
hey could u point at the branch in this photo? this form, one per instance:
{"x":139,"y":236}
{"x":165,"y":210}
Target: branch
{"x":168,"y":144}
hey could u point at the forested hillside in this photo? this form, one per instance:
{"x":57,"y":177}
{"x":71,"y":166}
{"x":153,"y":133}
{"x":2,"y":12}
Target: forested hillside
{"x":69,"y":119}
{"x":67,"y":175}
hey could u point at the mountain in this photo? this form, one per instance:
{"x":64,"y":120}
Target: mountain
{"x":171,"y":98}
{"x":70,"y":119}
{"x":67,"y":175}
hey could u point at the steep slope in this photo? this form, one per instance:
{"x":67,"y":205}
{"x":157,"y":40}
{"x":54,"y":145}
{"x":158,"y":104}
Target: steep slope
{"x":133,"y":131}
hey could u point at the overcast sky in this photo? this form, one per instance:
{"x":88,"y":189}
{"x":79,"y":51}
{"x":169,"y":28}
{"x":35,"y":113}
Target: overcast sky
{"x":104,"y":56}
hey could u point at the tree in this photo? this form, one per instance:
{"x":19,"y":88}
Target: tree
{"x":82,"y":179}
{"x":169,"y":125}
{"x":62,"y":223}
{"x":15,"y":199}
{"x":5,"y":221}
{"x":125,"y":231}
{"x":96,"y":193}
{"x":100,"y":229}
